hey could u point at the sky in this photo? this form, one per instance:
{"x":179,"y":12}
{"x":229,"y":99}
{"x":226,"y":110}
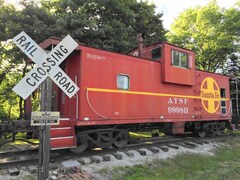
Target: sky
{"x":172,"y":8}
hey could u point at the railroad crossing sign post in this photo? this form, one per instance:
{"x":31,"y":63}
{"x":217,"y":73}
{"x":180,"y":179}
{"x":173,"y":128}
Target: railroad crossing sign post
{"x":44,"y":139}
{"x":47,"y":66}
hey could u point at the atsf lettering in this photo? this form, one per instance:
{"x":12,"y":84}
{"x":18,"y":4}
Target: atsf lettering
{"x":177,"y":105}
{"x":177,"y":100}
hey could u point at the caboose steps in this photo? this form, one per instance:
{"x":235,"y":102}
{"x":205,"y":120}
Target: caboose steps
{"x":62,"y":142}
{"x":61,"y":132}
{"x":63,"y":135}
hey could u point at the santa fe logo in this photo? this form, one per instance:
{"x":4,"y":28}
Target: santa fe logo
{"x":47,"y":65}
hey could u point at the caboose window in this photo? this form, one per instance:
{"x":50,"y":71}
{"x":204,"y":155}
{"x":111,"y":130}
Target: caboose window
{"x":223,"y":102}
{"x":223,"y":93}
{"x":175,"y":58}
{"x":122,"y":82}
{"x":156,"y":53}
{"x":184,"y":60}
{"x":179,"y":59}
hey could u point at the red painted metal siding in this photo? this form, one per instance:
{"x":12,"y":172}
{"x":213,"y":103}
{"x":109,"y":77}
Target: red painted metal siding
{"x":149,"y":99}
{"x":201,"y":84}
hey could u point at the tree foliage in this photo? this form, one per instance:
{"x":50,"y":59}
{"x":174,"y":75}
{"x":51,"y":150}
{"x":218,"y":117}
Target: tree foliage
{"x":107,"y":24}
{"x":37,"y":23}
{"x":212,"y":32}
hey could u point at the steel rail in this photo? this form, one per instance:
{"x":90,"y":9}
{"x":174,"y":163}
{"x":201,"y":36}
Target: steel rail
{"x":61,"y":155}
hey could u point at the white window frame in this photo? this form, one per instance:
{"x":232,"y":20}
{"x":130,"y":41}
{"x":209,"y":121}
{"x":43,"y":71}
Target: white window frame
{"x":180,"y":59}
{"x":125,"y":85}
{"x":224,"y":96}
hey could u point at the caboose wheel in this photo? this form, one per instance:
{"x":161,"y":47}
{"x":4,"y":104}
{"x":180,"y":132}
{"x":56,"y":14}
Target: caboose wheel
{"x":201,"y":133}
{"x":218,"y":132}
{"x":82,"y":145}
{"x":200,"y":130}
{"x":120,"y":138}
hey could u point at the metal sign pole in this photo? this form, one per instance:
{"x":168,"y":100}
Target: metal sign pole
{"x":44,"y":144}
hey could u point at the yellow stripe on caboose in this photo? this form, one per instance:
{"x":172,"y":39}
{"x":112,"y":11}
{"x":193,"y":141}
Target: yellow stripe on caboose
{"x":143,"y":93}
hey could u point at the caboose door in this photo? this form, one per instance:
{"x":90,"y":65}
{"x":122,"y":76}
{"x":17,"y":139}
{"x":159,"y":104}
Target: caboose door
{"x":69,"y":106}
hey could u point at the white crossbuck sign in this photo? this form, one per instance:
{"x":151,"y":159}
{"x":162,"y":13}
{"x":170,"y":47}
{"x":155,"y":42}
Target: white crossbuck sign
{"x":47,"y":65}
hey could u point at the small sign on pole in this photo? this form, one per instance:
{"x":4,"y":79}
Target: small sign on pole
{"x":45,"y":118}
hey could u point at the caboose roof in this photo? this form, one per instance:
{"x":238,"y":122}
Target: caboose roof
{"x":53,"y":41}
{"x":49,"y":43}
{"x":162,"y":42}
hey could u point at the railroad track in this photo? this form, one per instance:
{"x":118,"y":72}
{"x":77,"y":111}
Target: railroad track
{"x":9,"y":159}
{"x":144,"y":148}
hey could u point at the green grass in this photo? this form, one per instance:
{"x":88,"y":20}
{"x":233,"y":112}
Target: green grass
{"x":144,"y":134}
{"x":7,"y":146}
{"x":139,"y":135}
{"x":23,"y":136}
{"x":225,"y":164}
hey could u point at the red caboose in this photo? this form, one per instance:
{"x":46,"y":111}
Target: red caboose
{"x":121,"y":93}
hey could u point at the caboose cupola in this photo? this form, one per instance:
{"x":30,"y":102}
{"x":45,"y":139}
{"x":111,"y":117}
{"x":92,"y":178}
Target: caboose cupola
{"x":177,"y":64}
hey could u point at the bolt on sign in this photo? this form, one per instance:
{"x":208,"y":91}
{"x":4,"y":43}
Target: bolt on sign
{"x":47,"y":65}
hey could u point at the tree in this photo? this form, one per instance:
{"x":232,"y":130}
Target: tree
{"x":34,"y":21}
{"x":232,"y":25}
{"x":212,"y":32}
{"x":108,"y":24}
